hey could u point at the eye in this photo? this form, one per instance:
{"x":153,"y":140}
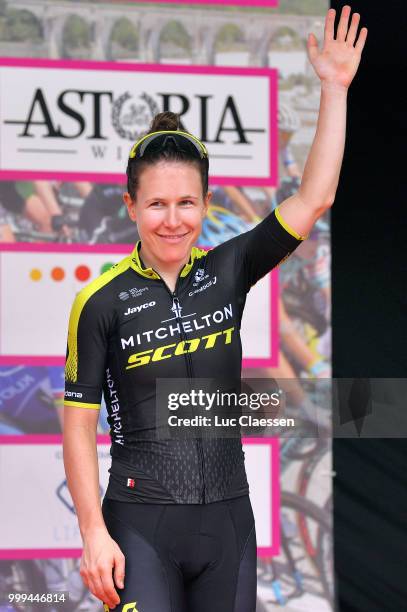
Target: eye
{"x":156,"y":204}
{"x":187,"y":202}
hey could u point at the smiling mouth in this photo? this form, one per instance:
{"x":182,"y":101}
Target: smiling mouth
{"x":172,"y":235}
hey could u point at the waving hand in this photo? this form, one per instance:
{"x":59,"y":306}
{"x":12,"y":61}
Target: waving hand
{"x":339,"y":58}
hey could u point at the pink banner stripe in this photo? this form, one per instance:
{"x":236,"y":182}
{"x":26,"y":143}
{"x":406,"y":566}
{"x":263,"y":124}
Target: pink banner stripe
{"x":41,"y":553}
{"x":66,"y":248}
{"x":65,"y":64}
{"x":31,"y":360}
{"x":273,"y":108}
{"x":44,"y":439}
{"x":25,"y":175}
{"x":262,"y":3}
{"x":31,"y":439}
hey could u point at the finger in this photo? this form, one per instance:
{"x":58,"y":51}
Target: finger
{"x":361,"y":40}
{"x":329,"y":25}
{"x":119,"y":571}
{"x":95,"y":588}
{"x":351,"y":37}
{"x":98,"y":589}
{"x":343,"y":24}
{"x":312,"y":46}
{"x":110,"y":594}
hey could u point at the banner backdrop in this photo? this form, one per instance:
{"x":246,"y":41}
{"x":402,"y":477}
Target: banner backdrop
{"x":240,"y":78}
{"x":78,"y":120}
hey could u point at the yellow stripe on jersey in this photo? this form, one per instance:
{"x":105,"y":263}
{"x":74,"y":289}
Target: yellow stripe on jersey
{"x":288,"y":228}
{"x":195,"y":254}
{"x":151,"y":273}
{"x":71,"y":366}
{"x":81,"y":405}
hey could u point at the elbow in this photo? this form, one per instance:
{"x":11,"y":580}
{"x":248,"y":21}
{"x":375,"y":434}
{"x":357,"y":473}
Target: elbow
{"x":324,"y":205}
{"x":329,"y":201}
{"x":317,"y":203}
{"x":326,"y":201}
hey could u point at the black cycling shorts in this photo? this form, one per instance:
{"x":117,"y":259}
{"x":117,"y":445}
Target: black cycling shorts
{"x":185,"y":557}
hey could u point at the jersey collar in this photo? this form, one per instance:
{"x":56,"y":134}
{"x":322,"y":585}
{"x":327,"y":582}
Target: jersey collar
{"x":137,"y":265}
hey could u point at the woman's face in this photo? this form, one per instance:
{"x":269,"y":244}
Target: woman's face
{"x":168,"y":209}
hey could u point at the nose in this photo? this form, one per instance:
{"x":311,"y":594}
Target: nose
{"x":172,"y":217}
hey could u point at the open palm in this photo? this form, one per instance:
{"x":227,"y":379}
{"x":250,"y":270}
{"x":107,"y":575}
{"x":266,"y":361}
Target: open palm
{"x":339,"y":58}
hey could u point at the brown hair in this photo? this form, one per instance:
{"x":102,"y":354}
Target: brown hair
{"x":164,"y":121}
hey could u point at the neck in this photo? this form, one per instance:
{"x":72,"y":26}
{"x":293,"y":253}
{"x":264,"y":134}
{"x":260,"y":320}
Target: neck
{"x":161,"y":267}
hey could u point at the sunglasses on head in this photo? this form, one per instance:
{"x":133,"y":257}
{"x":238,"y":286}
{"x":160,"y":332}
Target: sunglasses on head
{"x":156,"y":141}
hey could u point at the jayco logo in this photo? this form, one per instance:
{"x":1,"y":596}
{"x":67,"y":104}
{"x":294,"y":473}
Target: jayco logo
{"x":139,"y":308}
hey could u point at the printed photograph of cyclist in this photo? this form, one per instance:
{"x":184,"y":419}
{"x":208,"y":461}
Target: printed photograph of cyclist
{"x":32,"y":400}
{"x":55,"y":211}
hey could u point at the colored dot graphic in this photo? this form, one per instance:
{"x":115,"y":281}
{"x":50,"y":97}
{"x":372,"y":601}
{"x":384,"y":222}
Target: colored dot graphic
{"x":35,"y":274}
{"x":57,"y":274}
{"x":106,"y":266}
{"x":82,"y":272}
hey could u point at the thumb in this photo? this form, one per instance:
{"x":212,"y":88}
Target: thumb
{"x":119,"y":562}
{"x":312,"y":46}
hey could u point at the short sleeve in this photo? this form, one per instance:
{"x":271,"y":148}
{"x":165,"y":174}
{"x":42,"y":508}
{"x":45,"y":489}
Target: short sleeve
{"x":264,"y":247}
{"x":86,"y":352}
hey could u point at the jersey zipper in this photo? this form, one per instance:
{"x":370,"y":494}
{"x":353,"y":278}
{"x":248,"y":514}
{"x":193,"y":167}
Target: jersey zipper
{"x":190,"y":372}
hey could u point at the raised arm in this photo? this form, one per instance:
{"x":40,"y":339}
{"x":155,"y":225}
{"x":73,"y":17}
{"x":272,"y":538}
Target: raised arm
{"x":336,"y":65}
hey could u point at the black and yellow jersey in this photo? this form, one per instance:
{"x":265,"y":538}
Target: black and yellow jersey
{"x":127,"y":328}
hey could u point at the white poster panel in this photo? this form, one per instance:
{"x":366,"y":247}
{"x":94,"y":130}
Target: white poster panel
{"x":77,"y":119}
{"x":37,"y":513}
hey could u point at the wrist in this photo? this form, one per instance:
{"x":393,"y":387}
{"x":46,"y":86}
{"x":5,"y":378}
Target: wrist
{"x":332,"y":86}
{"x":89,"y":531}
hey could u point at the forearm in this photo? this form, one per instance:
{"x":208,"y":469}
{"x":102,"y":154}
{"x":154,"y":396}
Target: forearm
{"x":45,"y":192}
{"x":322,"y":168}
{"x":82,"y":473}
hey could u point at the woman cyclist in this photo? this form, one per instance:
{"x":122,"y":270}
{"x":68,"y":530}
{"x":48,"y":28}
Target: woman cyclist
{"x":176,"y":531}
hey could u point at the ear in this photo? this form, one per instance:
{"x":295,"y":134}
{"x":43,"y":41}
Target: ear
{"x":130,"y":205}
{"x":207,"y":200}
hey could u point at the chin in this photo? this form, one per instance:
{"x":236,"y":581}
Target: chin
{"x":178,"y":251}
